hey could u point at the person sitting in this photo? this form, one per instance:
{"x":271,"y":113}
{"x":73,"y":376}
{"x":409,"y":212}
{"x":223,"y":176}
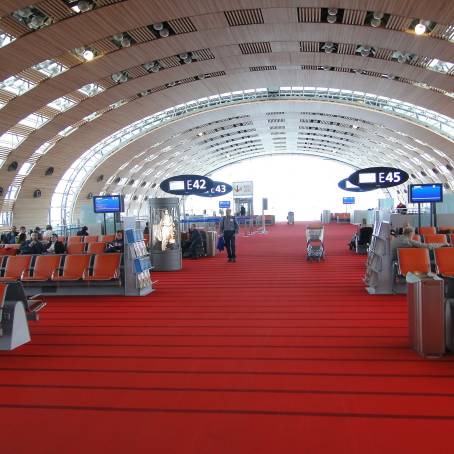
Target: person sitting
{"x":83,"y":231}
{"x":39,"y":233}
{"x":47,"y":235}
{"x":401,"y":208}
{"x":54,"y":246}
{"x":32,"y":246}
{"x":193,"y":244}
{"x":22,"y":235}
{"x":11,"y":235}
{"x":117,"y":244}
{"x":363,"y":226}
{"x":405,"y":241}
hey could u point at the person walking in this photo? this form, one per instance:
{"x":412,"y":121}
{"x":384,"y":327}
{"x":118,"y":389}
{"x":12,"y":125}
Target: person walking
{"x":229,"y":228}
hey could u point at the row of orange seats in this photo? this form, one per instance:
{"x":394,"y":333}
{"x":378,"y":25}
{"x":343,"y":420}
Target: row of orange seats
{"x":99,"y":267}
{"x":430,"y":230}
{"x":71,"y":248}
{"x":417,"y":260}
{"x":437,"y":238}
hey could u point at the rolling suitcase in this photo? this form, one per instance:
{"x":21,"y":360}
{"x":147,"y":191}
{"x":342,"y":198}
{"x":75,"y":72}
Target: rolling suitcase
{"x":426,"y":315}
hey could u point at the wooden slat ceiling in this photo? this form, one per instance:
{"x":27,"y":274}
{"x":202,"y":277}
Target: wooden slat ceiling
{"x":232,"y":48}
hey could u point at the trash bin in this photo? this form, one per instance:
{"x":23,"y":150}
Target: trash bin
{"x":212,"y":238}
{"x":426,"y":314}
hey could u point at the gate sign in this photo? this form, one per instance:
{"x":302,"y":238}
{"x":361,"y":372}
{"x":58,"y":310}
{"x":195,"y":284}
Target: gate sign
{"x":378,"y":177}
{"x":219,"y":189}
{"x":186,"y":184}
{"x":347,"y":186}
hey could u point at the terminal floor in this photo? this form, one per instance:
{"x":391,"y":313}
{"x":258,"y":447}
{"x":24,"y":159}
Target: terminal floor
{"x":272,"y":354}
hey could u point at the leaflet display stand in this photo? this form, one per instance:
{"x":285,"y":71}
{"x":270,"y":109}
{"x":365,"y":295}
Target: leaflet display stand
{"x":137,"y":264}
{"x":379,"y":273}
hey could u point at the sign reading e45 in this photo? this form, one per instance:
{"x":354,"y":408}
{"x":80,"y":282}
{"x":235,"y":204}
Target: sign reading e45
{"x":378,"y":177}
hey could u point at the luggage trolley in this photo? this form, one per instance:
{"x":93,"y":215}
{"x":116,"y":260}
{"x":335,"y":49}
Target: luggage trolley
{"x":315,"y":247}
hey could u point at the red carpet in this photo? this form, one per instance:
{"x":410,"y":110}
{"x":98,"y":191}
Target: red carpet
{"x":272,"y":354}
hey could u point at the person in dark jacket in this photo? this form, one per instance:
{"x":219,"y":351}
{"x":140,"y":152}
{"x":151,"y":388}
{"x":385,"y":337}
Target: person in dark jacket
{"x":117,"y":244}
{"x":194,"y":243}
{"x":229,"y":228}
{"x":146,"y":230}
{"x":54,"y":246}
{"x":83,"y":231}
{"x":11,"y":235}
{"x":32,"y":246}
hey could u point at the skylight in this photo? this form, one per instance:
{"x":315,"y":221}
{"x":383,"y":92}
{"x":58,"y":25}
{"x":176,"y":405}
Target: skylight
{"x":91,"y":89}
{"x":50,"y":68}
{"x":16,"y":85}
{"x":6,"y":39}
{"x":440,"y":66}
{"x":62,"y":104}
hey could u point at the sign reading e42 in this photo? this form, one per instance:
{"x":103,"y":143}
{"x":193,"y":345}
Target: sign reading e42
{"x":186,"y":184}
{"x":218,"y":189}
{"x":378,"y":177}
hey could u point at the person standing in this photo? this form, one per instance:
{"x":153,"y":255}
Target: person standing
{"x":229,"y":228}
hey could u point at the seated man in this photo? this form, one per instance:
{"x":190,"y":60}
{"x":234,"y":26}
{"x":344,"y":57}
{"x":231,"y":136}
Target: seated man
{"x":32,"y":246}
{"x":117,"y":244}
{"x":405,"y":240}
{"x":54,"y":246}
{"x":363,"y":225}
{"x":193,"y":243}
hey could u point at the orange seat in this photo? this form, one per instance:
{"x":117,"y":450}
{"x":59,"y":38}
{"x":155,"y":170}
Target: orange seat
{"x":45,"y":265}
{"x":73,"y":269}
{"x":90,"y":238}
{"x":444,"y":261}
{"x":451,"y":238}
{"x":74,"y":239}
{"x":435,"y":238}
{"x":414,"y":260}
{"x":106,"y":267}
{"x":61,"y":238}
{"x":8,"y":251}
{"x":446,"y":229}
{"x":15,"y":265}
{"x":107,"y":238}
{"x":96,"y":248}
{"x":76,"y":248}
{"x":427,"y":230}
{"x":146,"y":238}
{"x":416,"y":237}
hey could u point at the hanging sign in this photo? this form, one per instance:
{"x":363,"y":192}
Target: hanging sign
{"x":186,"y":184}
{"x":218,"y":189}
{"x":378,"y":177}
{"x":243,"y":189}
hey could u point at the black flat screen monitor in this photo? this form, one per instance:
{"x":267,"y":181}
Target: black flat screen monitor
{"x":107,"y":204}
{"x":425,"y":193}
{"x":348,"y":200}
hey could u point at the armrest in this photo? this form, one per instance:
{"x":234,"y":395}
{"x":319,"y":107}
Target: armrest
{"x":25,"y":273}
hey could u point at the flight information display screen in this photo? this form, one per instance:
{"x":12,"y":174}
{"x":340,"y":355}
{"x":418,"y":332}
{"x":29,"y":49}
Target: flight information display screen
{"x":425,"y":193}
{"x":348,"y":200}
{"x":107,"y":204}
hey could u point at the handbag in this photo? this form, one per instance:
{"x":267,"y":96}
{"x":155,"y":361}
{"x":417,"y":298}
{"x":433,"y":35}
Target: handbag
{"x":221,"y":244}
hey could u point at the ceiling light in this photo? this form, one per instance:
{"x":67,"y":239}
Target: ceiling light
{"x":84,"y":6}
{"x":420,"y":28}
{"x":25,"y":12}
{"x":88,"y":54}
{"x":159,"y":26}
{"x":331,"y":19}
{"x":332,"y":11}
{"x":118,"y":37}
{"x":375,"y":22}
{"x":164,"y":33}
{"x":125,"y":42}
{"x":328,"y":47}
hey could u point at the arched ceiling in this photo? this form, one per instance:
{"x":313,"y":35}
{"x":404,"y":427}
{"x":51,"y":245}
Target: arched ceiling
{"x":342,"y":80}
